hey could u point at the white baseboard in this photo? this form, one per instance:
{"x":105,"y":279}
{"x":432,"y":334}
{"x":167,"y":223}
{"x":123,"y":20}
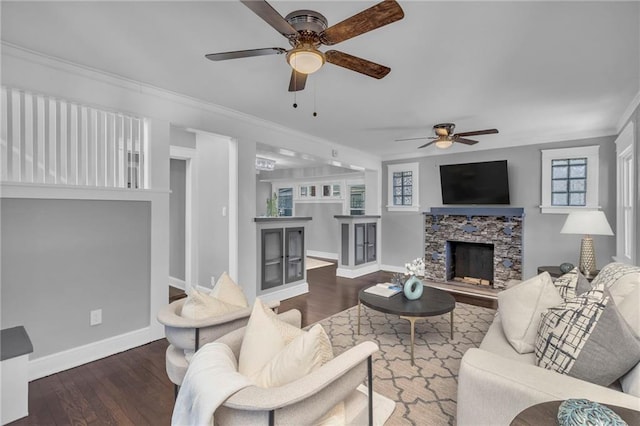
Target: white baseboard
{"x":177,"y":283}
{"x":393,"y":268}
{"x":322,"y":254}
{"x":285,"y":293}
{"x":55,"y":363}
{"x":355,"y":273}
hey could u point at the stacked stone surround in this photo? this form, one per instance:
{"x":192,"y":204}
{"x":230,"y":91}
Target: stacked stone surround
{"x":501,"y":227}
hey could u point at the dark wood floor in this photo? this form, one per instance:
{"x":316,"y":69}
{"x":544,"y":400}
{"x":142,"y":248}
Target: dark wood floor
{"x":132,"y":388}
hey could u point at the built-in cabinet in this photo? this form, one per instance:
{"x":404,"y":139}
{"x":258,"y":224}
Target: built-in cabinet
{"x":364,"y":242}
{"x":281,"y":254}
{"x":358,"y":251}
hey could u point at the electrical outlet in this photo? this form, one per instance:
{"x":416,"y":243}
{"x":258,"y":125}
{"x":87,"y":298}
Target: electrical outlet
{"x":96,"y":317}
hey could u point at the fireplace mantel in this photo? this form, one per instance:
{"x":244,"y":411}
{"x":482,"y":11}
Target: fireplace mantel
{"x":476,"y":211}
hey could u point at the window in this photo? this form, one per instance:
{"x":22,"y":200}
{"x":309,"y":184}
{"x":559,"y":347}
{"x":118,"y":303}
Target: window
{"x":626,"y":242}
{"x":403,"y":187}
{"x":356,"y":200}
{"x":569,"y":179}
{"x":569,"y":182}
{"x":285,"y":201}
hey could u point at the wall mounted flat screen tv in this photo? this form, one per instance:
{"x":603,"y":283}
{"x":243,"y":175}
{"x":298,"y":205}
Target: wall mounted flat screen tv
{"x":475,"y":183}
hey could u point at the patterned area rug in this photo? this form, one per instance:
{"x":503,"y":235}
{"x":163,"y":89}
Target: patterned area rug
{"x":425,"y":394}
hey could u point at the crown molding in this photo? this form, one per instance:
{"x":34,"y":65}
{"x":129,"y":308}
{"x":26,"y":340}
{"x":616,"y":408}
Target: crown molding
{"x":626,"y":116}
{"x":22,"y":53}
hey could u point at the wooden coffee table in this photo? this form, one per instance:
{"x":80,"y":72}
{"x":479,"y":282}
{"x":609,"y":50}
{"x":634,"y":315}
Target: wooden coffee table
{"x":546,"y":413}
{"x":433,"y":302}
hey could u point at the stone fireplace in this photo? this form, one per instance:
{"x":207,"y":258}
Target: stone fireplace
{"x":479,"y":243}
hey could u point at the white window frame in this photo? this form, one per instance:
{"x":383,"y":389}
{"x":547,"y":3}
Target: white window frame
{"x":591,"y":153}
{"x":626,"y":244}
{"x":415,"y":202}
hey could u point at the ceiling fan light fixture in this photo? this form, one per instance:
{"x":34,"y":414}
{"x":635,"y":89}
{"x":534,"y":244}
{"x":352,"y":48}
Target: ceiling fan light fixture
{"x":443,"y":143}
{"x":305,"y":60}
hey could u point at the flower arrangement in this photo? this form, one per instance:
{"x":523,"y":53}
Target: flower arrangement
{"x":415,"y":267}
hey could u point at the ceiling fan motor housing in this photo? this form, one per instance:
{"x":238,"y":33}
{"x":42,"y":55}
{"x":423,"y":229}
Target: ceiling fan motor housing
{"x":307,"y":20}
{"x":444,"y":129}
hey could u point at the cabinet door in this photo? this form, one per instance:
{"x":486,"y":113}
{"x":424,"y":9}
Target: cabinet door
{"x":371,"y":242}
{"x":272,"y":258}
{"x":294,"y":252}
{"x":359,"y":240}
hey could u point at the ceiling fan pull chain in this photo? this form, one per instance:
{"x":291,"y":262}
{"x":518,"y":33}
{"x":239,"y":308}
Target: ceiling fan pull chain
{"x":315,"y":114}
{"x":295,"y":93}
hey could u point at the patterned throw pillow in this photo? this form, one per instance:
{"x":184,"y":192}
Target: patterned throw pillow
{"x":572,"y":284}
{"x":587,"y":338}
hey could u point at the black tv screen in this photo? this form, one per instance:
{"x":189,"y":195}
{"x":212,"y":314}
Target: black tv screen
{"x":475,"y":183}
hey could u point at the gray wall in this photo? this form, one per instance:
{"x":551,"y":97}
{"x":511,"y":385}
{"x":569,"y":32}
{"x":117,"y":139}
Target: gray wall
{"x":177,"y":184}
{"x":263,"y":191}
{"x":322,"y":230}
{"x":402,"y":233}
{"x":63,"y":258}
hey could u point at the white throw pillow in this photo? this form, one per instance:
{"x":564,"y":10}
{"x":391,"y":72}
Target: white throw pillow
{"x":306,"y":353}
{"x":228,"y":291}
{"x":264,"y":337}
{"x":199,"y":305}
{"x":520,"y":309}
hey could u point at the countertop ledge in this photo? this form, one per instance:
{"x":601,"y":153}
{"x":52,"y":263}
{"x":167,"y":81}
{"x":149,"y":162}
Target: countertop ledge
{"x":283,"y":219}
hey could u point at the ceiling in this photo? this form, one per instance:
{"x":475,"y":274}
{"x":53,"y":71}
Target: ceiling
{"x":537,"y":71}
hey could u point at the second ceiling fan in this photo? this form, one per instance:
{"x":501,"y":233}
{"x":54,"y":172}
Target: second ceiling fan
{"x":445,"y":137}
{"x":306,"y":30}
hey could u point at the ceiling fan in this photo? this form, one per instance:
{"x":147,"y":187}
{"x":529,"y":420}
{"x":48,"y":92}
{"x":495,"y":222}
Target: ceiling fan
{"x":306,"y":30}
{"x":445,"y":137}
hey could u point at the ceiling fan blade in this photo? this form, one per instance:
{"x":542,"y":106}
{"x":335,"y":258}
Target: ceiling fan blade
{"x":271,"y":17}
{"x":478,"y":132}
{"x":354,"y":63}
{"x":465,"y":141}
{"x":411,"y":139}
{"x":245,"y":53}
{"x":376,"y":16}
{"x":297,"y":81}
{"x":426,"y":144}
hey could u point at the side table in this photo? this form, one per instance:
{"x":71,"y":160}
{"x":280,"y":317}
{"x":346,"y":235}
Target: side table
{"x":555,"y":272}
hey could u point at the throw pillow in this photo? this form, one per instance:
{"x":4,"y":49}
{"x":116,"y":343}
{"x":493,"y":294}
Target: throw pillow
{"x":265,"y":336}
{"x":228,"y":291}
{"x":306,"y":353}
{"x":587,"y":338}
{"x":572,"y":284}
{"x":199,"y":305}
{"x":630,"y":311}
{"x":612,"y":272}
{"x":520,"y":307}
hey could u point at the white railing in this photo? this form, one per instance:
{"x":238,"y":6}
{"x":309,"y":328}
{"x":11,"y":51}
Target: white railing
{"x":47,"y":140}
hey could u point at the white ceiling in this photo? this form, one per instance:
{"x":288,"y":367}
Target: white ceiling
{"x":537,"y":71}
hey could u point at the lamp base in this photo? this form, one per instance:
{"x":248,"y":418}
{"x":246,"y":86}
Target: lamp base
{"x":587,"y":257}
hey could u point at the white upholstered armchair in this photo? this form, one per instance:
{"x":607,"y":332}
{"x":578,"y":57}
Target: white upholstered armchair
{"x":190,"y":334}
{"x":306,"y":400}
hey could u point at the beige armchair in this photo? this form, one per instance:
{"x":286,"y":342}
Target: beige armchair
{"x":190,"y":335}
{"x":306,"y":400}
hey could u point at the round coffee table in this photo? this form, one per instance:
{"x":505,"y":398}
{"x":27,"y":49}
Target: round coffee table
{"x":433,"y":302}
{"x":547,"y":413}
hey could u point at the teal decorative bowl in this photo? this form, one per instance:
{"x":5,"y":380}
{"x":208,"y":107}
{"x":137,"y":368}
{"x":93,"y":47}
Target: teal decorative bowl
{"x":566,"y":267}
{"x":583,"y":412}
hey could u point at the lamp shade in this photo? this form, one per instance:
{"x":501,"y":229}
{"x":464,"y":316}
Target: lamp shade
{"x":589,"y":222}
{"x":443,"y":143}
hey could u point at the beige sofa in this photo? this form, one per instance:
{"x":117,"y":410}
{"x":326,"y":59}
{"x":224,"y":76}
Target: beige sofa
{"x":496,"y":382}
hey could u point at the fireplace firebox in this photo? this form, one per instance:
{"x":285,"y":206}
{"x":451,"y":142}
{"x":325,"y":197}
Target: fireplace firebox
{"x":469,"y":262}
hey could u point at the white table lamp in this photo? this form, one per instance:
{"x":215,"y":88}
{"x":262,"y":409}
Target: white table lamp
{"x":587,"y":223}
